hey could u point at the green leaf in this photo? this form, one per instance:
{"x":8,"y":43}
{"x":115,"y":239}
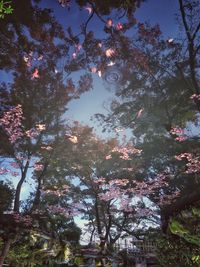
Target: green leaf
{"x":196,"y":212}
{"x":178,"y":229}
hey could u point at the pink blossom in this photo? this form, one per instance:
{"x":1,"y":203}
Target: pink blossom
{"x":180,"y":138}
{"x":27,"y":60}
{"x":177,"y":131}
{"x":48,"y":148}
{"x":139,"y":113}
{"x":72,"y":138}
{"x":78,"y":47}
{"x":124,"y":151}
{"x":108,"y":157}
{"x":22,"y":219}
{"x":109,"y":23}
{"x":56,"y":209}
{"x":100,"y":180}
{"x":110,"y":52}
{"x":74,"y":55}
{"x":3,"y":171}
{"x":15,"y":174}
{"x":119,"y":26}
{"x":14,"y":165}
{"x":38,"y":166}
{"x":32,"y":133}
{"x":40,"y":127}
{"x":12,"y":123}
{"x":180,"y":134}
{"x":93,"y":69}
{"x":35,"y":74}
{"x":195,"y":96}
{"x":193,"y":164}
{"x":56,"y":192}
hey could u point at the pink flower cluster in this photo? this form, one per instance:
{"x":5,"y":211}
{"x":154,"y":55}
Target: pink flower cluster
{"x":143,"y":189}
{"x":193,"y":165}
{"x":67,"y":212}
{"x":38,"y":166}
{"x":12,"y":123}
{"x":47,"y":148}
{"x":143,"y":212}
{"x":22,"y":219}
{"x":119,"y":182}
{"x":14,"y":165}
{"x":168,"y":199}
{"x":179,"y":133}
{"x":34,"y":132}
{"x":4,"y":171}
{"x":100,"y":180}
{"x":56,"y":192}
{"x":125,"y":152}
{"x":125,"y":204}
{"x":119,"y":26}
{"x":117,"y":189}
{"x":195,"y":96}
{"x":56,"y":209}
{"x":111,"y":193}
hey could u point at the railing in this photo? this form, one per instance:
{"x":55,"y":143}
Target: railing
{"x":141,"y":247}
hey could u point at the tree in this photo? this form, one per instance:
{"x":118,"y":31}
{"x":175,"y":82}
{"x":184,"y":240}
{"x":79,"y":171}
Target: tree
{"x":6,"y":193}
{"x":33,"y":46}
{"x":33,"y":104}
{"x":162,"y":92}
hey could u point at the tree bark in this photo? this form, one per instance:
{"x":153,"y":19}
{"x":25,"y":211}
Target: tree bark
{"x":5,"y":250}
{"x":19,"y":186}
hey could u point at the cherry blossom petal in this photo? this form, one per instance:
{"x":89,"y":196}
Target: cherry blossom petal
{"x":40,"y":127}
{"x":109,"y":23}
{"x":119,"y":26}
{"x":110,"y":52}
{"x":74,"y":55}
{"x":35,"y":74}
{"x":139,"y":113}
{"x":72,"y":138}
{"x":93,"y":69}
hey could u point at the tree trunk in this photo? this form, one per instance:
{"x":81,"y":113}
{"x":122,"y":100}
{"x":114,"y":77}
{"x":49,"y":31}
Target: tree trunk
{"x":19,"y":187}
{"x":5,"y":250}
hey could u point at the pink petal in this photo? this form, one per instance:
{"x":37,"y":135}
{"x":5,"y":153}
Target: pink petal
{"x":35,"y":74}
{"x":139,"y":113}
{"x":109,"y":23}
{"x":119,"y":26}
